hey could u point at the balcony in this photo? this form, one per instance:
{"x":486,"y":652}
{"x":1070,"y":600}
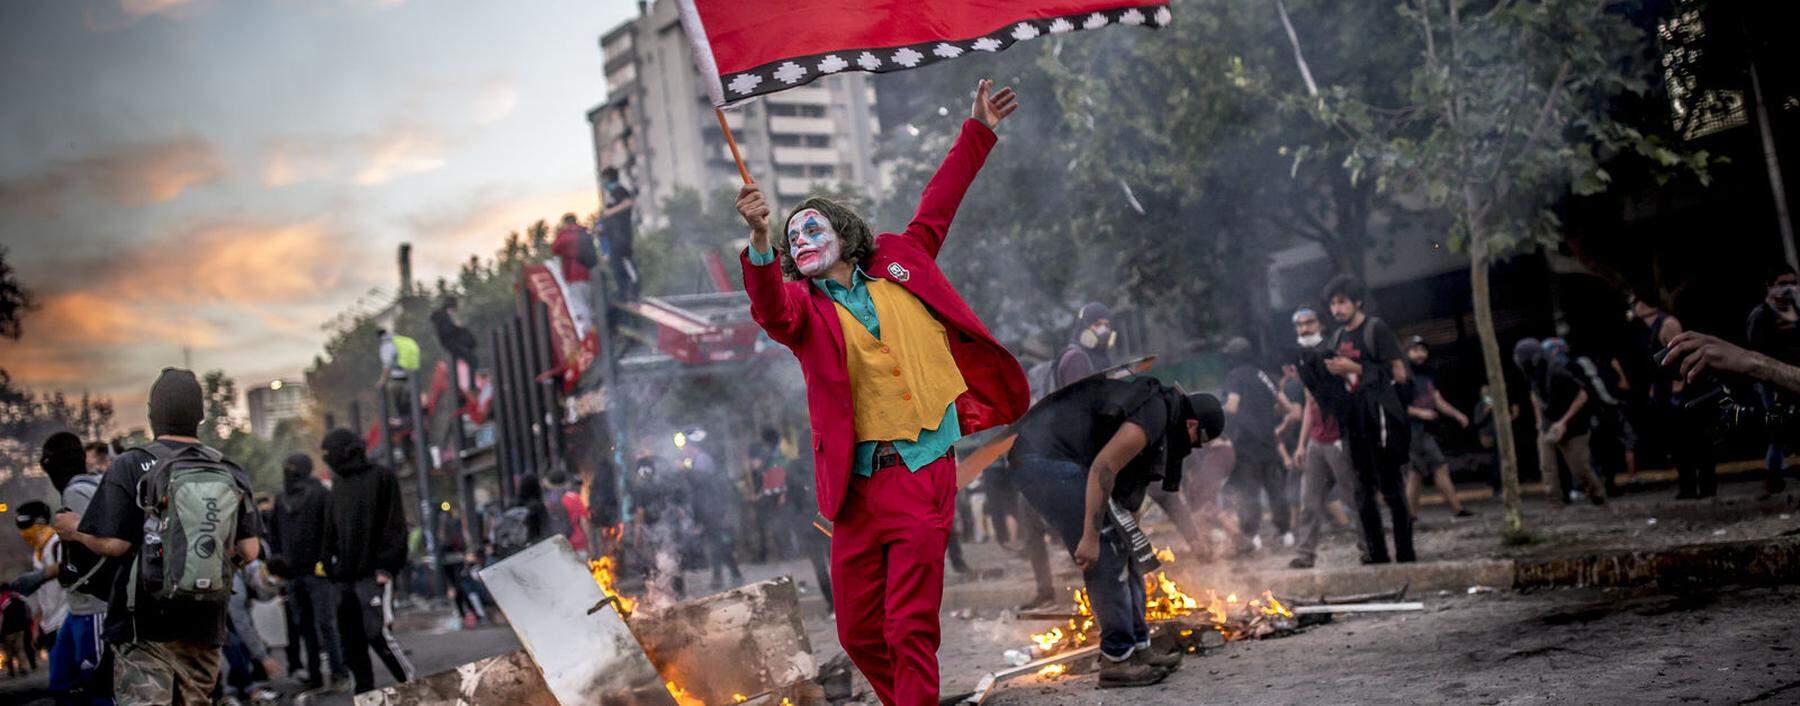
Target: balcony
{"x":806,"y":155}
{"x":797,"y":125}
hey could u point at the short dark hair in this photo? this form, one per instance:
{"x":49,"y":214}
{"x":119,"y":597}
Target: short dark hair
{"x":770,"y":436}
{"x":609,"y":173}
{"x":98,"y":447}
{"x":857,"y":243}
{"x":558,"y":478}
{"x":1343,"y":286}
{"x":568,"y":218}
{"x":1776,"y":271}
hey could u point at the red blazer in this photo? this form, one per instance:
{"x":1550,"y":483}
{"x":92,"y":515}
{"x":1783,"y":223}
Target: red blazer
{"x":803,"y":318}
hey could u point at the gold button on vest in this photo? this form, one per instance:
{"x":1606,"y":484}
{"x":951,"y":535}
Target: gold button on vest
{"x":900,"y":383}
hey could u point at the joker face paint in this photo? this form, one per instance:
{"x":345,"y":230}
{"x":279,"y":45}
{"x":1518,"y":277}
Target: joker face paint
{"x":813,"y":243}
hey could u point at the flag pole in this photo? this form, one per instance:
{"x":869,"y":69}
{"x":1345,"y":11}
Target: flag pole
{"x":732,"y":143}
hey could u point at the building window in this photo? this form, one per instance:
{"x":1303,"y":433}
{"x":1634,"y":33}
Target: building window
{"x":821,"y":171}
{"x":818,"y":141}
{"x":790,"y":170}
{"x":784,"y":140}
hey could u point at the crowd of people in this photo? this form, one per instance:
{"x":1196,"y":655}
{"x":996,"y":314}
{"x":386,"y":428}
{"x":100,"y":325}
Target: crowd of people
{"x":146,"y":573}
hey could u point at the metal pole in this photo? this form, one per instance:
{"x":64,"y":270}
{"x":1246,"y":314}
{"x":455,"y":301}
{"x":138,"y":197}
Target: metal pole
{"x":387,"y":432}
{"x":1773,"y":164}
{"x":422,"y":459}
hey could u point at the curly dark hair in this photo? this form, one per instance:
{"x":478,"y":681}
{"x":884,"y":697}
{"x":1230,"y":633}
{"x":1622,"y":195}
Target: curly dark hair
{"x":855,"y":241}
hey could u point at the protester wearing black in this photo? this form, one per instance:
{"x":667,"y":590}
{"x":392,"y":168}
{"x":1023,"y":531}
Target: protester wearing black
{"x":166,"y":651}
{"x":1774,"y":330}
{"x":1097,"y":443}
{"x":714,"y":500}
{"x":1668,"y":419}
{"x":1251,"y":415}
{"x":364,"y":549}
{"x":616,"y":229}
{"x":77,"y":675}
{"x":297,"y":539}
{"x":801,"y":509}
{"x":1359,"y":382}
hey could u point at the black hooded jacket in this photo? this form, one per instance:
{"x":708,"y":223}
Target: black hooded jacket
{"x":366,"y":526}
{"x":297,"y":527}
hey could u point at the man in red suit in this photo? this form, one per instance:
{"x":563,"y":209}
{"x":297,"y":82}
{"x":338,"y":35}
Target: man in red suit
{"x":897,"y":369}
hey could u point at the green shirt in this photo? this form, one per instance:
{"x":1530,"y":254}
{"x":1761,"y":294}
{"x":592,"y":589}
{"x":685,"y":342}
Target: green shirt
{"x":932,"y":443}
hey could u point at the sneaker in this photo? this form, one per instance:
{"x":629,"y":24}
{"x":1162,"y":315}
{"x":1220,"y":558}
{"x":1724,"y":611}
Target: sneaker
{"x":1117,"y":675}
{"x":1149,"y":657}
{"x":1301,"y":562}
{"x":1287,"y":539}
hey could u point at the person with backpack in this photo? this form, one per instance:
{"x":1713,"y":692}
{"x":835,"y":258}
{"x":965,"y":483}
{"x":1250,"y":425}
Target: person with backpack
{"x":166,"y":618}
{"x":364,"y":550}
{"x":1365,"y":372}
{"x":297,"y":537}
{"x":77,"y":651}
{"x":1564,"y":422}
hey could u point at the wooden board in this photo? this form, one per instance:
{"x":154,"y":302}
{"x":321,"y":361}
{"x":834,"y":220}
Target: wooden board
{"x":745,"y":641}
{"x":582,"y":647}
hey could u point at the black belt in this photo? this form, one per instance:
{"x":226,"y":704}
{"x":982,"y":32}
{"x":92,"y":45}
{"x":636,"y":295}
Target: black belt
{"x":886,"y":455}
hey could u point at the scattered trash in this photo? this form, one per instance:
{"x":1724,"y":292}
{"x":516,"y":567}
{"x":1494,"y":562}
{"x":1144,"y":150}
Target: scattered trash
{"x":963,"y":614}
{"x":1482,"y":589}
{"x":1016,"y":658}
{"x":1651,"y":521}
{"x":1718,"y":533}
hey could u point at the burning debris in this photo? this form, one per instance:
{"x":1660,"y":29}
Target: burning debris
{"x":1165,"y":601}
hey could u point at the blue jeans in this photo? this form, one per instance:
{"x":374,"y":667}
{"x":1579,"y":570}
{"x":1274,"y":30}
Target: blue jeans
{"x":1057,"y":489}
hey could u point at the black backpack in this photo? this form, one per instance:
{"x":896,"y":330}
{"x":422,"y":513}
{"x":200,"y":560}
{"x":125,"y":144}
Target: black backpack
{"x":83,"y":570}
{"x":585,"y":253}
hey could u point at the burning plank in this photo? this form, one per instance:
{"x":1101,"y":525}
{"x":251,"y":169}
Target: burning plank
{"x":747,"y":642}
{"x":572,"y":629}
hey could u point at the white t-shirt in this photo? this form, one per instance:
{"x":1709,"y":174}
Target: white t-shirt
{"x":50,"y":602}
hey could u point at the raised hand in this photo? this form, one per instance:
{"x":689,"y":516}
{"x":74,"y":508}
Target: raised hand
{"x":755,"y":210}
{"x":992,"y":109}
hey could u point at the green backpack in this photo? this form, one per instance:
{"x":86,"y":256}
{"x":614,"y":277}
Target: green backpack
{"x":191,"y":499}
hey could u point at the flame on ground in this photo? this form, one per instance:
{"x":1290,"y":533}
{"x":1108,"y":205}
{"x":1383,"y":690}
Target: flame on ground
{"x":738,"y":698}
{"x":604,"y":571}
{"x":682,"y":698}
{"x":1054,"y":670}
{"x":1165,"y":600}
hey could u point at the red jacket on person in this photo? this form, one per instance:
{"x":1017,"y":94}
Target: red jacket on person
{"x":803,"y":318}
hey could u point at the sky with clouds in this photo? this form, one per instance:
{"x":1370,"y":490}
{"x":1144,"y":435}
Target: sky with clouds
{"x":224,"y":176}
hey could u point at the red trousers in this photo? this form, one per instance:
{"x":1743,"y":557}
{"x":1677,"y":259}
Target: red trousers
{"x":887,"y":575}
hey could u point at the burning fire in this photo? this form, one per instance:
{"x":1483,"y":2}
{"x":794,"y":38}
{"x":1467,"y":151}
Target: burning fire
{"x":738,"y":698}
{"x":604,"y":574}
{"x":682,"y":698}
{"x":1054,"y":670}
{"x":1165,"y":600}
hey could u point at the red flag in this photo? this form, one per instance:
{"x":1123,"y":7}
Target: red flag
{"x":747,"y":49}
{"x":570,"y":352}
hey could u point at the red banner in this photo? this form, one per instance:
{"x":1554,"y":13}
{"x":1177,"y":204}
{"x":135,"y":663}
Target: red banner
{"x":570,"y":351}
{"x":746,"y":49}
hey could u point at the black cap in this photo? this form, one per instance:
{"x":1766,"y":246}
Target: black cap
{"x":62,"y":458}
{"x":1211,"y":415}
{"x":177,"y":406}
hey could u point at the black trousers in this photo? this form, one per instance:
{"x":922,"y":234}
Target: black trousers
{"x":363,"y":615}
{"x":312,"y":624}
{"x":720,"y":553}
{"x":1379,"y":470}
{"x":1259,"y":473}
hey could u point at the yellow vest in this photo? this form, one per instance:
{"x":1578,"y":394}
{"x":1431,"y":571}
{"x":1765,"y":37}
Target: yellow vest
{"x":900,"y":383}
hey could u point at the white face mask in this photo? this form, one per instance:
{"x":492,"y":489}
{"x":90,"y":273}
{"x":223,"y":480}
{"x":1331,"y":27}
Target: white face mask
{"x":813,"y":243}
{"x":1311,"y":340}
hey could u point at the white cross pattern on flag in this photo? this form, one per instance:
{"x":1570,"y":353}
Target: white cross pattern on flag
{"x":746,"y":49}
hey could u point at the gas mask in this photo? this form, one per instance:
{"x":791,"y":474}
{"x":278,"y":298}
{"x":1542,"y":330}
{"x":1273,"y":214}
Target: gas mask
{"x":1099,"y":337}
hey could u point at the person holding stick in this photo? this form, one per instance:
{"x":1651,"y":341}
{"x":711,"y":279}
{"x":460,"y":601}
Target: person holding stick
{"x":897,"y":369}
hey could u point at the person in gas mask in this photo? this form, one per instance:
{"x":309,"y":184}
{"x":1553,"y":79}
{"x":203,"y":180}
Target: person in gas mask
{"x":364,"y":549}
{"x":1563,"y":422}
{"x":1091,"y":350}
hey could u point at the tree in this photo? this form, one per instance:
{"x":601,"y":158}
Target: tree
{"x":15,"y":300}
{"x":220,"y":395}
{"x":1505,"y":115}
